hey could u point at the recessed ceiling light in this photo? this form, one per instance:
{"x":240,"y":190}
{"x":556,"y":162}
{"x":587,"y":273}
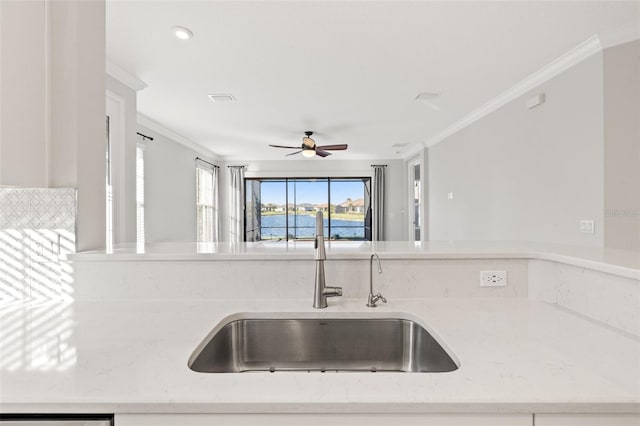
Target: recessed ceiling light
{"x":221,"y":98}
{"x":182,"y":33}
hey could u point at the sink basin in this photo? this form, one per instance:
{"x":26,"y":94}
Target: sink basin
{"x":327,"y":344}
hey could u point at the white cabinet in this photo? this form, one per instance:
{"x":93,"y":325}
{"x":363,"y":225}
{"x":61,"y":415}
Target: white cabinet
{"x":323,"y":420}
{"x":587,"y":420}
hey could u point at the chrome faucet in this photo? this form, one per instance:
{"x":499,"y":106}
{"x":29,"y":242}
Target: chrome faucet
{"x":321,"y":291}
{"x":373,"y":299}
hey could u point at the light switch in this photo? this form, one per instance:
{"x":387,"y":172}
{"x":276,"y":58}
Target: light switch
{"x":450,"y":196}
{"x":587,"y":227}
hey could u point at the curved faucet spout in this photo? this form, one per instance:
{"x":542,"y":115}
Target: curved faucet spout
{"x":373,"y":299}
{"x":371,"y":263}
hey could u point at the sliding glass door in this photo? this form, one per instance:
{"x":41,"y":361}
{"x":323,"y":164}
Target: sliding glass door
{"x":285,"y":208}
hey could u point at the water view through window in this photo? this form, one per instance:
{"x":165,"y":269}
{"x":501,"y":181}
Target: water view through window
{"x":285,"y":209}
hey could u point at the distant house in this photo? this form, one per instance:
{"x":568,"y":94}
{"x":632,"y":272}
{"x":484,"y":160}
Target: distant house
{"x":351,"y":206}
{"x":268,"y":207}
{"x":306,"y":207}
{"x":321,"y":208}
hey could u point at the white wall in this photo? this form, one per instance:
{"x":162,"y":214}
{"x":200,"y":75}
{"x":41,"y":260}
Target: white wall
{"x":23,"y":157}
{"x":170,"y":189}
{"x":52,"y":104}
{"x":520,"y":174}
{"x":622,"y":146}
{"x":170,"y":213}
{"x":395,"y":207}
{"x":77,"y":102}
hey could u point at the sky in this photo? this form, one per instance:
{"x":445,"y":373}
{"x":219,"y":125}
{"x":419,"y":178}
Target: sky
{"x":311,"y":192}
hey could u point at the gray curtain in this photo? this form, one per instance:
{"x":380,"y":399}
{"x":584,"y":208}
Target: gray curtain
{"x":378,"y":196}
{"x":236,"y":204}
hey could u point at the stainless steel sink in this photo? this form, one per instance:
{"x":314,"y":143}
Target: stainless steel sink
{"x":328,"y":344}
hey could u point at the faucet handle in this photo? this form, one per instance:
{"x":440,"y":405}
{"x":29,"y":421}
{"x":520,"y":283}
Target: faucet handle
{"x":332,"y":291}
{"x":373,"y":300}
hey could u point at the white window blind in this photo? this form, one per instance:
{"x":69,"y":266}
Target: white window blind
{"x":206,"y":214}
{"x":140,"y":195}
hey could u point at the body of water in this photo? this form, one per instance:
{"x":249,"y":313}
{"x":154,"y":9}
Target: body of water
{"x":303,"y":226}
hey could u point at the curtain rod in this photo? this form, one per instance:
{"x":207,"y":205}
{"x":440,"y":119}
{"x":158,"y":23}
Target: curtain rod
{"x":242,"y":167}
{"x":205,"y":161}
{"x":145,"y":136}
{"x":379,"y":165}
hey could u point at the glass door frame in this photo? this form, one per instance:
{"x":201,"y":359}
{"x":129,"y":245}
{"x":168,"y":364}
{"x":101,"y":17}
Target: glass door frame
{"x":367,"y":181}
{"x":418,"y":160}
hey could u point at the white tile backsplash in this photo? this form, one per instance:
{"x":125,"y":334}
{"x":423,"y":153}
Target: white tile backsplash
{"x":37,"y":225}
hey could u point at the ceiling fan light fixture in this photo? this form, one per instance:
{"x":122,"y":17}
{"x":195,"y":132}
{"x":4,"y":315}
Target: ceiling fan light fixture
{"x":309,"y":148}
{"x":308,"y":153}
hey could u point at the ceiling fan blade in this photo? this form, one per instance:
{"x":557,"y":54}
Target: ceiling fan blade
{"x":333,"y":147}
{"x":294,"y":153}
{"x":322,"y":153}
{"x":282,"y":146}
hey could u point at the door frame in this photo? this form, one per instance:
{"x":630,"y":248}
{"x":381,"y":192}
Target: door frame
{"x":115,"y":110}
{"x":410,"y":164}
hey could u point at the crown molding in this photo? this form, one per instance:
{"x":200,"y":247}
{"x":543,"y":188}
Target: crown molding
{"x":573,"y":57}
{"x":124,"y":77}
{"x":620,"y":36}
{"x":145,"y":121}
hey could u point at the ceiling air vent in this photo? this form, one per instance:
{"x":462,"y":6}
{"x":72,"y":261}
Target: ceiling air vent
{"x":427,"y":96}
{"x":222,"y":98}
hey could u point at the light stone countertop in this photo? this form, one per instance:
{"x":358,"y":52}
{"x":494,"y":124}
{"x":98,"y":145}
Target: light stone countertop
{"x":618,"y":262}
{"x":516,"y":356}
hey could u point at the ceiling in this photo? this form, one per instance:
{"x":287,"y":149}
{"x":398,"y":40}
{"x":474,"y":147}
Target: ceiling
{"x":350,"y":71}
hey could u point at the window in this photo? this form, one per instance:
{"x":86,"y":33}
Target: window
{"x":285,"y":209}
{"x":205,"y":207}
{"x":140,"y":195}
{"x":109,"y":194}
{"x":116,"y":188}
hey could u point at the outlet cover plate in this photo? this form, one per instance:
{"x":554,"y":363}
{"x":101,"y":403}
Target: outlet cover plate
{"x":493,"y":278}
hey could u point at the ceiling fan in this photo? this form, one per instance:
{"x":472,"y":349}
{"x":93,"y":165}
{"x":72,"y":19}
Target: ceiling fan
{"x":310,"y":149}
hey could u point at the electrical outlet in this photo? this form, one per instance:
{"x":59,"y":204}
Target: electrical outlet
{"x":493,"y":278}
